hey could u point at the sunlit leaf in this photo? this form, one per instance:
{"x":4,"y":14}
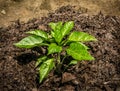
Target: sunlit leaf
{"x":56,"y":32}
{"x":58,"y":36}
{"x":45,"y":68}
{"x":79,"y":52}
{"x":29,"y":42}
{"x":39,"y":33}
{"x":84,"y":45}
{"x":54,"y":48}
{"x":73,"y":62}
{"x":67,"y":27}
{"x":81,"y":36}
{"x":40,"y":60}
{"x":56,"y":26}
{"x":52,"y":33}
{"x":59,"y":30}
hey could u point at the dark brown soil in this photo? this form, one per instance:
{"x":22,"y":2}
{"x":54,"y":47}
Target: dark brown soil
{"x":17,"y":71}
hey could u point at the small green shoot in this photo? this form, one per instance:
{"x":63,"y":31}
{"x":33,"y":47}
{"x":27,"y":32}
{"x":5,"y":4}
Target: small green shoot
{"x":59,"y":40}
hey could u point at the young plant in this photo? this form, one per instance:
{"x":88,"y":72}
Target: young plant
{"x":60,"y":40}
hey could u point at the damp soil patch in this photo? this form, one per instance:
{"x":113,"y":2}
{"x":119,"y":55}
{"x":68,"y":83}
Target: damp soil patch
{"x":17,"y":66}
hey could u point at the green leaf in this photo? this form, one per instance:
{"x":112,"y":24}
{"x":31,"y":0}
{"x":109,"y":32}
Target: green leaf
{"x":39,"y":33}
{"x":40,"y":60}
{"x":81,"y":36}
{"x":56,"y":26}
{"x":29,"y":42}
{"x":73,"y":62}
{"x":45,"y":68}
{"x":56,"y":32}
{"x":52,"y":25}
{"x":52,"y":34}
{"x":59,"y":30}
{"x":43,"y":44}
{"x":53,"y":48}
{"x":84,"y":45}
{"x":58,"y":36}
{"x":67,"y":27}
{"x":51,"y":40}
{"x":79,"y":52}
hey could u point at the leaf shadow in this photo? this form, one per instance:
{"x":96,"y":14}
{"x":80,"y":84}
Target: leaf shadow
{"x":26,"y":58}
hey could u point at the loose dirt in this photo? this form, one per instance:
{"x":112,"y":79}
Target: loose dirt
{"x":24,"y":10}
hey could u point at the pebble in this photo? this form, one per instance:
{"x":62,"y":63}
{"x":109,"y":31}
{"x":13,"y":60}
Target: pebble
{"x":75,"y":82}
{"x":3,"y":12}
{"x":34,"y":89}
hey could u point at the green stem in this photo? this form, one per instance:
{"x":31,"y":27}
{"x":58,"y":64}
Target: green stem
{"x":58,"y":68}
{"x":65,"y":43}
{"x":58,"y":59}
{"x":60,"y":63}
{"x":63,"y":59}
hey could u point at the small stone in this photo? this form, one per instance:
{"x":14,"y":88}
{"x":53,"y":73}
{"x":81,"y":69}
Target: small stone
{"x":67,"y":77}
{"x":76,"y":82}
{"x":3,"y":12}
{"x":42,"y":27}
{"x":34,"y":89}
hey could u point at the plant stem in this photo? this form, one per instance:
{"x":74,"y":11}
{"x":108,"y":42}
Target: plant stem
{"x":65,"y":43}
{"x":63,"y":59}
{"x":58,"y":68}
{"x":58,"y":59}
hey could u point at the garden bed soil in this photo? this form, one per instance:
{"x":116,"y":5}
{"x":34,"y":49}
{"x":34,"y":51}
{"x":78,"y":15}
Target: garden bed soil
{"x":17,"y":70}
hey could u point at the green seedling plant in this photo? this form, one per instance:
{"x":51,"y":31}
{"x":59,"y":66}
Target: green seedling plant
{"x":61,"y":39}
